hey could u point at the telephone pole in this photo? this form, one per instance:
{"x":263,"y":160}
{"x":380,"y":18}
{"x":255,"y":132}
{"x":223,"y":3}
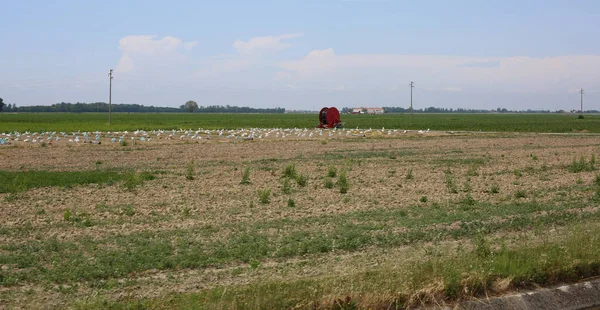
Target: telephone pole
{"x":581,"y":91}
{"x":110,"y":77}
{"x":411,"y":107}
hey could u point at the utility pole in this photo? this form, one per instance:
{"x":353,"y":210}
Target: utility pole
{"x":110,"y":77}
{"x":581,"y":91}
{"x":411,"y":107}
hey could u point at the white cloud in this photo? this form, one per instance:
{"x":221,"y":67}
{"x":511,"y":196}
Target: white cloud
{"x":452,"y":89}
{"x":325,"y":69}
{"x":267,"y":43}
{"x":140,"y":51}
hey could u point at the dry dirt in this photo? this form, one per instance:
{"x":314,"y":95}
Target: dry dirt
{"x":376,"y":168}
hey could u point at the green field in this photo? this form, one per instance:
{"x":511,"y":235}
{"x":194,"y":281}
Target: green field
{"x":457,"y":122}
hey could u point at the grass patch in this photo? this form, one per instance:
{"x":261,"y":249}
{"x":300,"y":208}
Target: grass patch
{"x":21,"y":181}
{"x":466,"y":274}
{"x":582,"y":164}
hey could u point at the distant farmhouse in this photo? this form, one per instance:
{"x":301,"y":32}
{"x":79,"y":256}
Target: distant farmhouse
{"x":367,"y":111}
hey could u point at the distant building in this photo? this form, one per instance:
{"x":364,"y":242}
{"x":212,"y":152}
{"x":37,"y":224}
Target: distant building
{"x":367,"y":111}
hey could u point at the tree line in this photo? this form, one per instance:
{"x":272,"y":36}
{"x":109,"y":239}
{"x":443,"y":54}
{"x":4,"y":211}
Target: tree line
{"x":81,"y":107}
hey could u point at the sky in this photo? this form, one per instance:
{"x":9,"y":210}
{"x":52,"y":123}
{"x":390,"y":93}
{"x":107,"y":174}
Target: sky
{"x":303,"y":54}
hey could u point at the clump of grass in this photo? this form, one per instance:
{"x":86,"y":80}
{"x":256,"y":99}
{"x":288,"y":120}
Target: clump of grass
{"x":127,"y":210}
{"x":423,"y":199}
{"x":291,"y":203}
{"x":494,"y":189}
{"x":287,"y":187}
{"x":290,"y":171}
{"x":323,"y":142}
{"x":582,"y":164}
{"x":123,"y":142}
{"x":409,"y":174}
{"x":332,"y":172}
{"x":301,"y":180}
{"x":44,"y":144}
{"x":520,"y":194}
{"x":597,"y":180}
{"x":468,"y":200}
{"x":518,"y":173}
{"x":190,"y":170}
{"x":328,"y":183}
{"x":264,"y":195}
{"x":472,"y":172}
{"x":450,"y":185}
{"x":67,"y":215}
{"x":246,"y":176}
{"x":342,"y":183}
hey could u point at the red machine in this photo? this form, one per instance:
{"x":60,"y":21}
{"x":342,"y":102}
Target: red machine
{"x":329,"y":118}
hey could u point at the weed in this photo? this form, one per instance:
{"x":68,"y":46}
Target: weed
{"x":44,"y":144}
{"x":287,"y":188}
{"x":495,"y":189}
{"x":254,"y":263}
{"x":518,"y":173}
{"x":472,"y":172}
{"x":409,"y":174}
{"x":127,"y":210}
{"x":302,"y":180}
{"x":342,"y":183}
{"x":423,"y":199}
{"x":582,"y":164}
{"x":579,"y":181}
{"x":190,"y":170}
{"x":264,"y":195}
{"x":450,"y":184}
{"x":328,"y":183}
{"x":323,"y":142}
{"x":468,"y":200}
{"x":67,"y":215}
{"x":331,"y":172}
{"x":520,"y":194}
{"x":291,"y":203}
{"x":123,"y":142}
{"x":482,"y":247}
{"x":246,"y":176}
{"x":290,"y":171}
{"x":597,"y":180}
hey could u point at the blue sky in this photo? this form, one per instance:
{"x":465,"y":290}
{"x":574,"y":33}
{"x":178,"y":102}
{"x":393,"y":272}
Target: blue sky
{"x":303,"y":54}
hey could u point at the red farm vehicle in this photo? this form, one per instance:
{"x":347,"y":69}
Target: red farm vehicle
{"x":330,"y":118}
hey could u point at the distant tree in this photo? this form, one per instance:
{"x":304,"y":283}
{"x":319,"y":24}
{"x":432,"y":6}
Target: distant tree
{"x":1,"y":104}
{"x":191,"y":106}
